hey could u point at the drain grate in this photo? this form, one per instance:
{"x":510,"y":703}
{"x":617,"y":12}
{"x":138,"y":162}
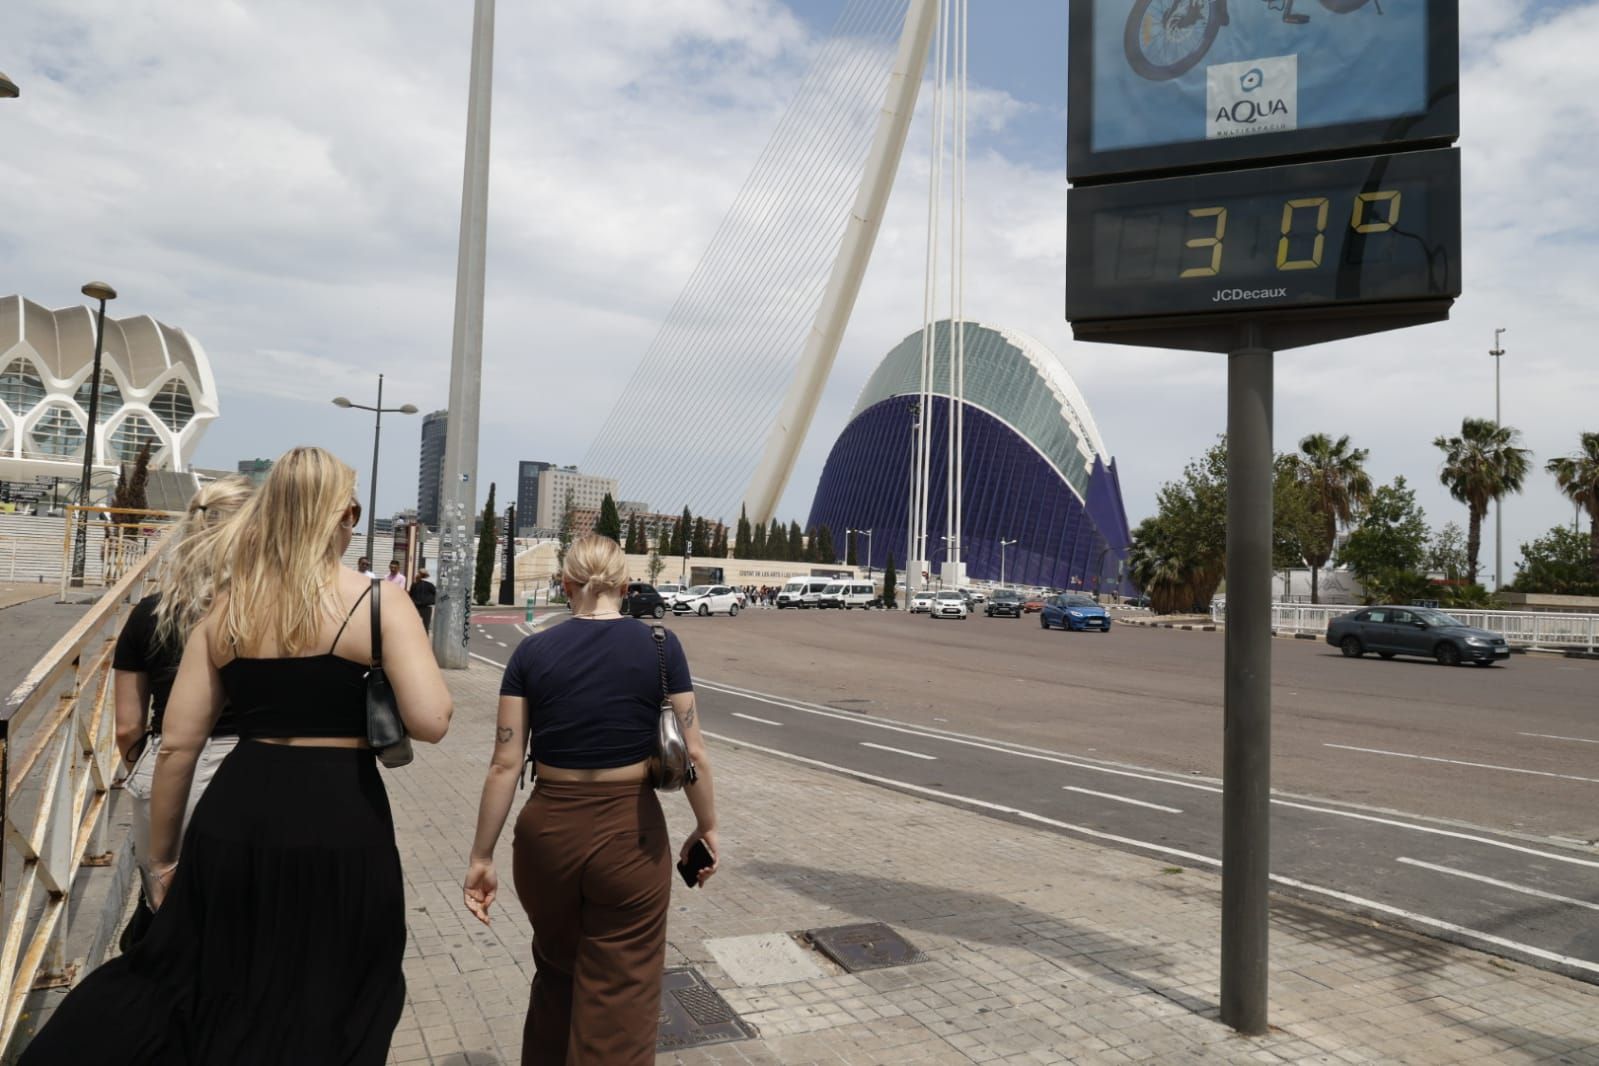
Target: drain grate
{"x":871,"y":946}
{"x":694,"y":1014}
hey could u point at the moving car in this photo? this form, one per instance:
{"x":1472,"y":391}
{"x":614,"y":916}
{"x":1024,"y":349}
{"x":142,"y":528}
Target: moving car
{"x":1391,"y":630}
{"x":707,"y":600}
{"x":848,"y":595}
{"x":802,"y":592}
{"x":642,"y":599}
{"x":1006,"y":602}
{"x":921,"y":603}
{"x":669,"y":591}
{"x":950,"y":603}
{"x":1074,"y":610}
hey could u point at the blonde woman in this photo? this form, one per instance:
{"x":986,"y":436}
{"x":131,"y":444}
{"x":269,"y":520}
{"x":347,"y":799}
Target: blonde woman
{"x":146,"y":663}
{"x":278,"y":936}
{"x":592,"y":863}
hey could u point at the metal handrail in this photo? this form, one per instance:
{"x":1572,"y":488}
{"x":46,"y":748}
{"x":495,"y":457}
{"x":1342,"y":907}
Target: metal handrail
{"x":1542,"y":630}
{"x":118,"y":553}
{"x":69,"y":761}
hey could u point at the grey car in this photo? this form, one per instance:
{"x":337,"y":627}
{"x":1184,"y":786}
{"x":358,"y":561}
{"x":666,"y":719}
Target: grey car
{"x":1422,"y":631}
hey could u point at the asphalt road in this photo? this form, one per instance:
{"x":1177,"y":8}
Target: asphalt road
{"x":1456,"y":801}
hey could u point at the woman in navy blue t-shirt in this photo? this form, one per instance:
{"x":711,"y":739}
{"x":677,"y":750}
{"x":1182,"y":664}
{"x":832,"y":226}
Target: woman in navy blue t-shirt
{"x":591,"y":859}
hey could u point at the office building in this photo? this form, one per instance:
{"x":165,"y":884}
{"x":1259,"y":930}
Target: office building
{"x":255,"y":469}
{"x":430,"y":476}
{"x":588,"y":493}
{"x":527,"y":494}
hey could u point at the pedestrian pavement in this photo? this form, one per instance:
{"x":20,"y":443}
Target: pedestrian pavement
{"x":1039,"y":947}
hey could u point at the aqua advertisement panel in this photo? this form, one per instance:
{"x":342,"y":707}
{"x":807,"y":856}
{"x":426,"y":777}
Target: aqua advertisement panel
{"x":1170,"y":71}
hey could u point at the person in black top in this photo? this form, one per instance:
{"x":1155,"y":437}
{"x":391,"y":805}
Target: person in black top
{"x":591,"y":858}
{"x":424,"y":596}
{"x":145,"y":664}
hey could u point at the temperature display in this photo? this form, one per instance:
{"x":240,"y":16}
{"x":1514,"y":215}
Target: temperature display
{"x":1350,"y":231}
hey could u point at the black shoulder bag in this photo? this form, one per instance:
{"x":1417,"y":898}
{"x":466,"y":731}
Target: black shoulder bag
{"x":384,"y":730}
{"x":670,"y":766}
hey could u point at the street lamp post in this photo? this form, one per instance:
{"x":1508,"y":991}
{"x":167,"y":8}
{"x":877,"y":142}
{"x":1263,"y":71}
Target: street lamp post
{"x":1002,"y":545}
{"x":868,"y":535}
{"x":377,"y":437}
{"x":1498,"y":351}
{"x":95,"y":290}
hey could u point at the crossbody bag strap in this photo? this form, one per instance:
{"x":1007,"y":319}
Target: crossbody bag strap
{"x":660,"y":657}
{"x":377,"y":627}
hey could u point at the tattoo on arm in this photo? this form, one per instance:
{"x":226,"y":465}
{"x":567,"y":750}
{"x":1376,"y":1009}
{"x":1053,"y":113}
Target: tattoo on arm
{"x":688,"y":716}
{"x":503,"y":734}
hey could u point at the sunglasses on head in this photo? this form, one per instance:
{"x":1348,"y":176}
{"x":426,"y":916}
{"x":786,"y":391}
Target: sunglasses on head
{"x":354,"y":511}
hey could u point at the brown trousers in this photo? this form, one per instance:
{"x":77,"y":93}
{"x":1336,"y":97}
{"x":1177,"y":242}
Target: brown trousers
{"x":593,"y":868}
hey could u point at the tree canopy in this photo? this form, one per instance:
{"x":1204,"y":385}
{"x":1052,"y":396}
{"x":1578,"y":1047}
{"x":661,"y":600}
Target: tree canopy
{"x":1482,"y":465}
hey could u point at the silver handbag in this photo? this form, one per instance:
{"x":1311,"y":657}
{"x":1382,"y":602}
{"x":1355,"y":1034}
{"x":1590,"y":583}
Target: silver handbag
{"x":670,"y":766}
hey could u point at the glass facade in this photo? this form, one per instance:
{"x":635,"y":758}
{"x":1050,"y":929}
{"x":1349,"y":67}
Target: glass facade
{"x":110,"y":397}
{"x":57,"y":434}
{"x":129,"y":436}
{"x":173,"y":405}
{"x":21,"y":387}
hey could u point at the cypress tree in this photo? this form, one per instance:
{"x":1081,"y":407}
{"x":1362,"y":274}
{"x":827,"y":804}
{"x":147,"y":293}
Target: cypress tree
{"x":484,"y":576}
{"x":824,"y":552}
{"x":776,"y":542}
{"x":758,"y":547}
{"x":685,"y":532}
{"x":719,"y":541}
{"x":796,"y":543}
{"x":849,"y":548}
{"x":702,"y":538}
{"x":890,"y":579}
{"x":741,"y":542}
{"x":609,"y":523}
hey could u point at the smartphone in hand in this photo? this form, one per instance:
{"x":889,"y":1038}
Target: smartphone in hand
{"x":699,"y":857}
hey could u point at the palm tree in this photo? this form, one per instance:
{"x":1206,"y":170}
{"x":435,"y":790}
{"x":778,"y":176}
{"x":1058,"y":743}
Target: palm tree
{"x":1578,"y":477}
{"x":1335,"y":475}
{"x":1482,"y":465}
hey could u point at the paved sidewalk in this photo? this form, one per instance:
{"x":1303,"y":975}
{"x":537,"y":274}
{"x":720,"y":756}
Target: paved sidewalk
{"x":1041,"y":948}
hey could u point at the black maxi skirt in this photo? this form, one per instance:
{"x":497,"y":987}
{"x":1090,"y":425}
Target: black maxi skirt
{"x":280,"y":940}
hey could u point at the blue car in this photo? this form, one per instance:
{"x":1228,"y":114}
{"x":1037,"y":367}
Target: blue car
{"x":1074,"y":610}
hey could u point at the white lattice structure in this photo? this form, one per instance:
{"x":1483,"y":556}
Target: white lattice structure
{"x":155,"y":384}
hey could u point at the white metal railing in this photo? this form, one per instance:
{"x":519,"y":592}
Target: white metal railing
{"x":1523,"y":629}
{"x":58,"y":760}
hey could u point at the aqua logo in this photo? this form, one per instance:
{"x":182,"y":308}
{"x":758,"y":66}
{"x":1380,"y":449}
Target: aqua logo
{"x":1252,"y":80}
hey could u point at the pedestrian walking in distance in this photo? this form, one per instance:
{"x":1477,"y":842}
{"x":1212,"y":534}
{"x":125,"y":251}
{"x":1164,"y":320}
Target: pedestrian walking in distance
{"x":424,"y":595}
{"x":280,"y":927}
{"x":145,"y":664}
{"x":363,"y":565}
{"x":591,"y":858}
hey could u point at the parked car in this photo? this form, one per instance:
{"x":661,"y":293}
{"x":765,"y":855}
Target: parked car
{"x":707,"y":600}
{"x":802,"y":592}
{"x":1074,"y":610}
{"x":669,"y":591}
{"x":1006,"y":602}
{"x":950,"y":603}
{"x":642,"y":599}
{"x":849,"y":595}
{"x":1391,"y":630}
{"x":921,"y":603}
{"x":1032,"y":604}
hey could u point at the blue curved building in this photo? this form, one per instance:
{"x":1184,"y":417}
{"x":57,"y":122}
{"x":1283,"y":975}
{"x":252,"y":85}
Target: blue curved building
{"x":1036,"y":471}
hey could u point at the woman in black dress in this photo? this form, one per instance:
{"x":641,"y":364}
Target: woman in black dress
{"x":279,"y":934}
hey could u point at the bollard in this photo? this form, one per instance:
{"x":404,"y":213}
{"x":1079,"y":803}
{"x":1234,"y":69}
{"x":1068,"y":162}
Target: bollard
{"x":529,"y":617}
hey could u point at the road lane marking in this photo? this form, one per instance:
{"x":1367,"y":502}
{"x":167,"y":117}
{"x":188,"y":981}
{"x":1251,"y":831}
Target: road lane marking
{"x":1041,"y":756}
{"x":1462,"y":762}
{"x":752,"y":718}
{"x":486,"y":659}
{"x":899,"y":751}
{"x":1169,"y":852}
{"x":1524,"y":889}
{"x":1552,"y":736}
{"x":1123,"y":799}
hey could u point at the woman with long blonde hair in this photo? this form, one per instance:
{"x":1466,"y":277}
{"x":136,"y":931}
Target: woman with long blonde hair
{"x":146,"y":660}
{"x":279,"y":930}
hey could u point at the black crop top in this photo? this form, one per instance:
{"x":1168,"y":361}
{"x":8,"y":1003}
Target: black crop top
{"x":304,"y":696}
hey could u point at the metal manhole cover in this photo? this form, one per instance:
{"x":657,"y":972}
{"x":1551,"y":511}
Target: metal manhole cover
{"x":694,"y":1014}
{"x":871,"y":946}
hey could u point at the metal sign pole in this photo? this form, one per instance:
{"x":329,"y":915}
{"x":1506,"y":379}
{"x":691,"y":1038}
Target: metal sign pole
{"x":1246,"y":755}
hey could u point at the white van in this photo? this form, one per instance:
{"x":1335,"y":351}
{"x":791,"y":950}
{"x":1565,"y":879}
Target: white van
{"x":848,"y":595}
{"x":802,"y":592}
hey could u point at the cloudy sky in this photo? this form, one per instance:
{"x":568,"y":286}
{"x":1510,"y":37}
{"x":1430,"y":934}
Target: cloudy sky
{"x":283,"y":180}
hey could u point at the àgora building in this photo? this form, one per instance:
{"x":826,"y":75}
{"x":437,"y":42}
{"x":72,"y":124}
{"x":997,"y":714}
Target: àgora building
{"x":1036,"y":470}
{"x":155,"y":385}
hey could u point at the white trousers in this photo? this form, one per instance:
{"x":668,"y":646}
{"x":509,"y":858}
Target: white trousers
{"x":142,"y":777}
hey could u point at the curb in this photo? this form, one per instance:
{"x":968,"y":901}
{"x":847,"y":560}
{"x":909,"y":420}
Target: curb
{"x":1213,"y":627}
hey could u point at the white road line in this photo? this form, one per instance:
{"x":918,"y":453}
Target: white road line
{"x":502,"y":643}
{"x":752,"y":718}
{"x":1123,"y":799}
{"x":1041,"y":756}
{"x":486,"y":659}
{"x":899,"y":751}
{"x":1552,"y":736}
{"x":1525,"y":889}
{"x":1462,"y":762}
{"x":1159,"y":849}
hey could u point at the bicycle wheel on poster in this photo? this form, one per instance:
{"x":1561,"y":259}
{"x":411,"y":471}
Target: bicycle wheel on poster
{"x":1165,"y":38}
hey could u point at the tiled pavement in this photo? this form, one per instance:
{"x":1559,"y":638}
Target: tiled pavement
{"x":1041,"y":948}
